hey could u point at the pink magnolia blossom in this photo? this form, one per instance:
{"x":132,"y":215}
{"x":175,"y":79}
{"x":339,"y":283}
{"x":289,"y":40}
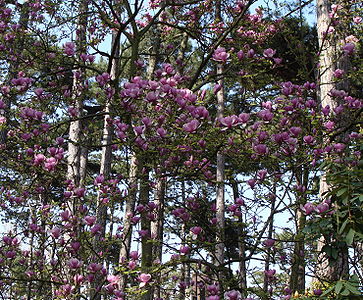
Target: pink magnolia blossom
{"x":233,"y":295}
{"x":213,"y":289}
{"x":240,"y":54}
{"x":357,"y":20}
{"x":217,"y":88}
{"x":322,"y":207}
{"x":132,"y":265}
{"x":55,"y":231}
{"x":295,"y":131}
{"x":250,"y":53}
{"x":308,"y":208}
{"x":229,"y":121}
{"x":161,"y":132}
{"x":69,"y":48}
{"x":184,"y":250}
{"x":96,"y":229}
{"x":261,"y":149}
{"x":94,"y":268}
{"x":244,"y":117}
{"x":338,"y":73}
{"x":261,"y":174}
{"x":144,"y":278}
{"x":74,"y":263}
{"x":213,"y":297}
{"x":239,"y":202}
{"x":269,"y":243}
{"x":134,"y":255}
{"x":220,"y":55}
{"x":317,"y":292}
{"x":89,"y":220}
{"x":196,"y":230}
{"x":270,"y":273}
{"x":269,"y":53}
{"x":308,"y":139}
{"x":348,"y":48}
{"x":251,"y":183}
{"x":265,"y":115}
{"x":191,"y":126}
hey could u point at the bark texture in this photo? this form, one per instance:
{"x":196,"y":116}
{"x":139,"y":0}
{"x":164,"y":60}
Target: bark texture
{"x":329,"y":269}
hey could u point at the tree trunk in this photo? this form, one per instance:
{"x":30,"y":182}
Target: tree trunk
{"x":220,"y":207}
{"x":181,"y":54}
{"x":76,"y":155}
{"x":155,"y":51}
{"x":327,"y":269}
{"x":297,"y":276}
{"x":220,"y":176}
{"x":146,"y":245}
{"x":241,"y":247}
{"x":268,"y":254}
{"x":105,"y":164}
{"x":13,"y":68}
{"x":129,"y":211}
{"x":157,"y":229}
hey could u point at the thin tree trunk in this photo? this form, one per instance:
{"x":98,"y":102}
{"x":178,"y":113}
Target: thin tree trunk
{"x":129,"y":211}
{"x":13,"y":67}
{"x":327,"y":53}
{"x":297,"y":276}
{"x":181,"y":54}
{"x":220,"y":207}
{"x":157,"y":229}
{"x":185,"y":267}
{"x":155,"y":52}
{"x":105,"y":164}
{"x":74,"y":172}
{"x":220,"y":176}
{"x":268,"y":254}
{"x":146,"y":245}
{"x":241,"y":247}
{"x":77,"y":155}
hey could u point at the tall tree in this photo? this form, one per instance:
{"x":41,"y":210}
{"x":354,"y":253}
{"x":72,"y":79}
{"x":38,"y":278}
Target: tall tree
{"x":329,"y":269}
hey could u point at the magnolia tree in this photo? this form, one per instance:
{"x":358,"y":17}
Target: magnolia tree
{"x":172,"y":149}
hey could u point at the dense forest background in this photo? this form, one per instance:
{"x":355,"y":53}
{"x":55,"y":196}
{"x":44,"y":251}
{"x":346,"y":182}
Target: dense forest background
{"x":181,"y":149}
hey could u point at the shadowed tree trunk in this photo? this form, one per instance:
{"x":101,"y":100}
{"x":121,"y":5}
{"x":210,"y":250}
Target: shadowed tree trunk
{"x":157,"y":229}
{"x":13,"y":67}
{"x":106,"y":160}
{"x":297,"y":276}
{"x":129,"y":211}
{"x":266,"y":281}
{"x":241,"y":247}
{"x":145,"y":232}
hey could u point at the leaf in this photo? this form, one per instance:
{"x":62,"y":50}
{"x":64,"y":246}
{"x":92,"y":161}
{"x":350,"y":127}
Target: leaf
{"x":341,"y":192}
{"x":341,"y":229}
{"x":350,"y":236}
{"x":353,"y":289}
{"x":327,"y":249}
{"x":338,"y":287}
{"x":334,"y":253}
{"x":328,"y":291}
{"x":345,"y":292}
